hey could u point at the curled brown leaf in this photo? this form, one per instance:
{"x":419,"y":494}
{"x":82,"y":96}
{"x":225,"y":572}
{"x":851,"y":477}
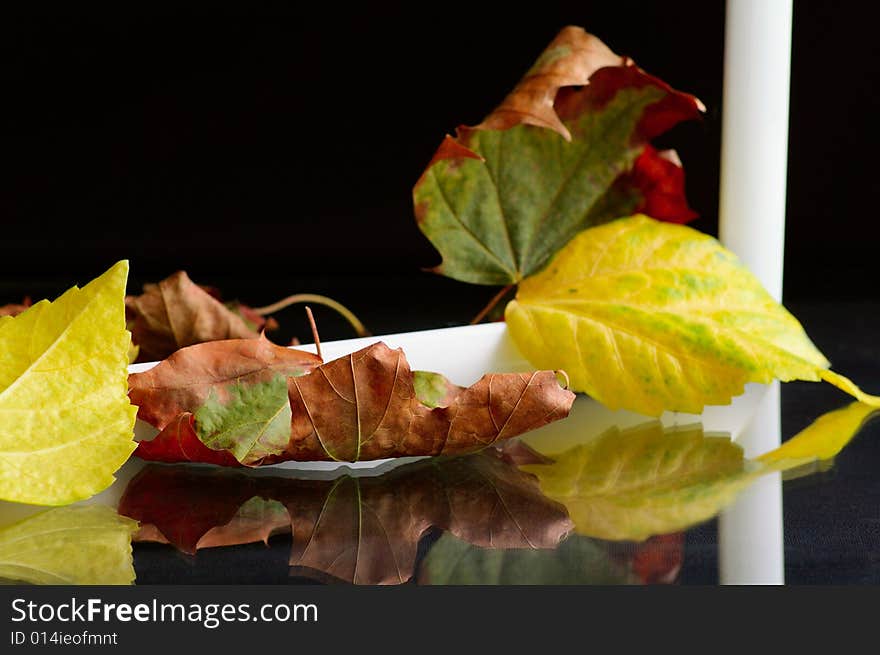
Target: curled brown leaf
{"x":364,"y":406}
{"x":223,"y":397}
{"x":176,"y":313}
{"x":184,"y":381}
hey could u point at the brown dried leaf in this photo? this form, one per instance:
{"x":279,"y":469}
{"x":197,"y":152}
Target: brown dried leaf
{"x":184,"y":381}
{"x":176,"y":313}
{"x":364,"y":406}
{"x":569,"y":60}
{"x":220,"y":400}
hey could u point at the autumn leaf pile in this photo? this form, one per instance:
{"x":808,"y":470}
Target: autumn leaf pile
{"x":558,"y":196}
{"x":551,"y":193}
{"x":250,"y":402}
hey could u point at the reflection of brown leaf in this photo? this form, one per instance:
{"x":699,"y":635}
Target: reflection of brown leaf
{"x":361,"y":530}
{"x":176,"y":313}
{"x":185,"y":503}
{"x":256,"y":520}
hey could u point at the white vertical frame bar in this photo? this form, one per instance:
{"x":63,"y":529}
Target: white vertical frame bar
{"x":754,"y":136}
{"x":754,"y":165}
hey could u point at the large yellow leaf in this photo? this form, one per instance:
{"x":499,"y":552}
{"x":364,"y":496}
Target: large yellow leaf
{"x":66,"y":424}
{"x":650,"y":316}
{"x":69,"y":545}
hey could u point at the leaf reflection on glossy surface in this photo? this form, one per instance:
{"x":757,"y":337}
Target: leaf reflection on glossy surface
{"x":628,"y":485}
{"x":502,"y":524}
{"x":632,"y":484}
{"x":85,"y":545}
{"x":364,"y":530}
{"x":824,"y":438}
{"x":578,"y":560}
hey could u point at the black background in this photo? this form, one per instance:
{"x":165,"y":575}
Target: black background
{"x":274,"y":152}
{"x":271,"y":152}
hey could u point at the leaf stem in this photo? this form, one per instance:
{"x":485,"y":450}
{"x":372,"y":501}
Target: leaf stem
{"x":491,"y":305}
{"x":315,"y":336}
{"x":318,"y":300}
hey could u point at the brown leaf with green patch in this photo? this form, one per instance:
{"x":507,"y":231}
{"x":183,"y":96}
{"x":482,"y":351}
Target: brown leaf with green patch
{"x":367,"y":405}
{"x":211,"y":375}
{"x":364,"y":406}
{"x":569,"y":148}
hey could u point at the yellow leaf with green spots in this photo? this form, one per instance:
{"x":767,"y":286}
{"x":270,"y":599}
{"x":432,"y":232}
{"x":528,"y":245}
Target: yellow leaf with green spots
{"x":650,"y":316}
{"x":69,"y":545}
{"x":66,"y":424}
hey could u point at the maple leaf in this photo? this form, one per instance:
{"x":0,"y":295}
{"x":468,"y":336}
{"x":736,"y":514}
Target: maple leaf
{"x":178,"y":442}
{"x":359,"y":407}
{"x":567,"y":149}
{"x":177,"y":312}
{"x":364,"y":530}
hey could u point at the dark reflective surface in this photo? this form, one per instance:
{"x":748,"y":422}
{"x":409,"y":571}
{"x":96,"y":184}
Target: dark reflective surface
{"x":471,"y":520}
{"x":616,"y":505}
{"x":364,"y":530}
{"x":625,"y":501}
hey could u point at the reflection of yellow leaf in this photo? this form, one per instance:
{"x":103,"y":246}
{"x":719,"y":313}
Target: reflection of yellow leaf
{"x":650,"y":316}
{"x":69,"y":545}
{"x":65,"y":421}
{"x":645,"y":481}
{"x":824,"y":438}
{"x":632,"y":484}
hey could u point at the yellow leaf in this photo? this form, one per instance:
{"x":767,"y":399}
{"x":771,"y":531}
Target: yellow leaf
{"x":650,"y":316}
{"x":632,"y":484}
{"x":824,"y":438}
{"x":66,"y":424}
{"x":69,"y":545}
